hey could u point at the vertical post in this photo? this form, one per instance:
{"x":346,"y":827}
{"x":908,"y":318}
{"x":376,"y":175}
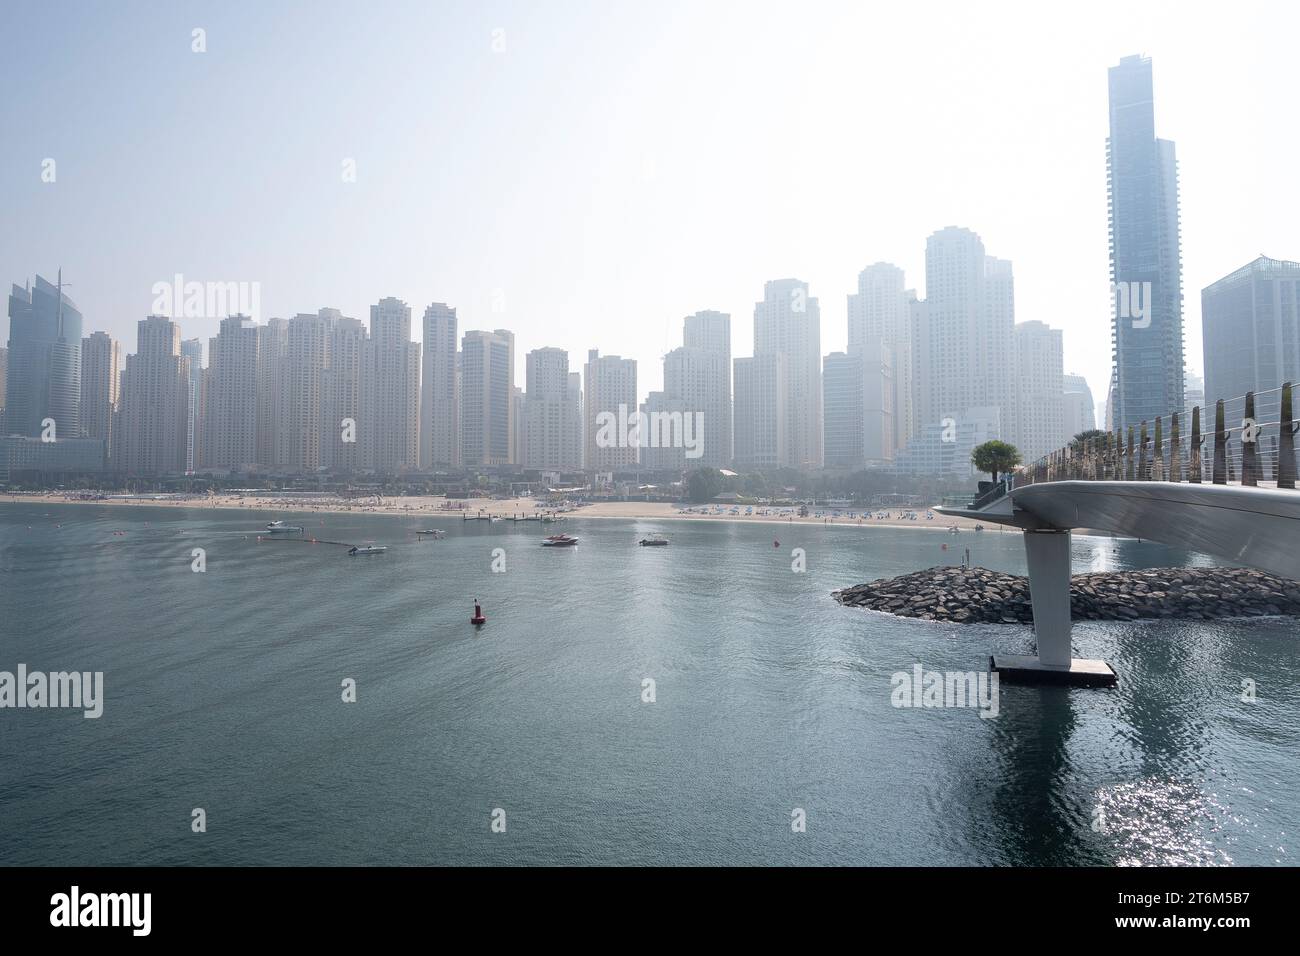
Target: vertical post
{"x":1143,"y":474}
{"x":1249,"y":444}
{"x":1158,"y":458}
{"x":1220,"y":446}
{"x":1175,"y":451}
{"x":1194,"y":450}
{"x":1048,"y":556}
{"x":1286,"y":442}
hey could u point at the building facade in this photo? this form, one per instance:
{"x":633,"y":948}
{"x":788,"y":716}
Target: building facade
{"x":487,"y":403}
{"x":788,"y":323}
{"x":1145,"y":252}
{"x":611,"y":397}
{"x":43,"y":382}
{"x":1250,"y":327}
{"x":439,"y":390}
{"x":101,"y":379}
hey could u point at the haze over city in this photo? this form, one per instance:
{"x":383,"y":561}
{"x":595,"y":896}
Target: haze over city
{"x":588,"y":181}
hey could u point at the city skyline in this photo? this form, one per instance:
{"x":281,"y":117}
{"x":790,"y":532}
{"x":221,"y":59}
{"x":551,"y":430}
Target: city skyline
{"x":822,"y":216}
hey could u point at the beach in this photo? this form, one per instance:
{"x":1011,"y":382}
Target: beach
{"x":438,"y":508}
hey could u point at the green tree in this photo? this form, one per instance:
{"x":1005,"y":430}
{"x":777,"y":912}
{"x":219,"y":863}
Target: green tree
{"x":995,"y":457}
{"x":703,"y":484}
{"x":1086,"y":436}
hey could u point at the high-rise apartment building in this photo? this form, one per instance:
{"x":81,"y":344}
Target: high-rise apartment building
{"x":858,"y":406}
{"x":1079,"y":409}
{"x":880,"y":312}
{"x":1145,"y":252}
{"x":230,"y":442}
{"x":155,"y":401}
{"x":101,"y":376}
{"x":711,"y":331}
{"x":487,"y":403}
{"x":963,"y":330}
{"x":389,"y":428}
{"x":1250,"y":327}
{"x":611,"y":391}
{"x":192,"y":352}
{"x":761,"y":411}
{"x":696,"y":379}
{"x":552,"y":425}
{"x":788,"y":323}
{"x":439,"y":390}
{"x":1038,"y":414}
{"x":44,"y":365}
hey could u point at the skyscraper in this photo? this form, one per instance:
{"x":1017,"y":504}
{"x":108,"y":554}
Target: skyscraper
{"x":611,"y":387}
{"x":761,"y":410}
{"x":1038,"y":422}
{"x":695,"y":378}
{"x":101,"y":372}
{"x":230,"y":442}
{"x":1250,"y":326}
{"x":487,"y":403}
{"x":44,"y":375}
{"x":155,"y":400}
{"x":272,"y":348}
{"x":858,"y":406}
{"x":4,"y":375}
{"x":1079,"y":409}
{"x":340,"y":445}
{"x":788,"y":323}
{"x":304,"y":387}
{"x":439,"y":393}
{"x":389,"y":427}
{"x":550,"y":436}
{"x":879,"y":311}
{"x":577,"y":421}
{"x":1145,"y":252}
{"x":963,"y":330}
{"x":192,"y":351}
{"x":711,"y":331}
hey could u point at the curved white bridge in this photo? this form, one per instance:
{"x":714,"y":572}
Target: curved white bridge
{"x":1255,"y":526}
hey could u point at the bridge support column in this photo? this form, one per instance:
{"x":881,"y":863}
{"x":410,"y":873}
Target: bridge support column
{"x":1048,"y":557}
{"x":1048,"y":554}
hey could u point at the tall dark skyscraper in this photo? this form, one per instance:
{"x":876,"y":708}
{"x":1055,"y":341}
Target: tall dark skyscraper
{"x":44,"y":379}
{"x":1145,"y":252}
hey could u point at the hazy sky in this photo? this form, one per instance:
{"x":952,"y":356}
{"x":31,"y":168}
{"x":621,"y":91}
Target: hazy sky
{"x":612,"y":166}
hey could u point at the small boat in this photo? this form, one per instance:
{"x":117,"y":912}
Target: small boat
{"x":366,"y":549}
{"x":434,"y":532}
{"x":559,"y":541}
{"x":280,"y":527}
{"x":654,"y":541}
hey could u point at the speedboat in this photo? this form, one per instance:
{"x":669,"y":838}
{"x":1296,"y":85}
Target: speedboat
{"x":654,"y":541}
{"x":559,"y":541}
{"x":279,"y":526}
{"x":366,"y":549}
{"x":433,"y":532}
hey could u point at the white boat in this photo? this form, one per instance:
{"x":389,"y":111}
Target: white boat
{"x":559,"y":541}
{"x":366,"y":549}
{"x":434,"y":532}
{"x":279,"y":526}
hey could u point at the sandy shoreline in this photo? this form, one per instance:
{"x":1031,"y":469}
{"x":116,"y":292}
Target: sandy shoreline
{"x":435,"y":509}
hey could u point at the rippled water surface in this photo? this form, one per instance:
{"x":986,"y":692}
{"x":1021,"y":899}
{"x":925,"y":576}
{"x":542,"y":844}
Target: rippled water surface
{"x":223,"y":692}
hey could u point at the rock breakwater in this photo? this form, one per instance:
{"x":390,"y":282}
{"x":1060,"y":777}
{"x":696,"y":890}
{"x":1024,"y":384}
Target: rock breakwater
{"x":978,"y":595}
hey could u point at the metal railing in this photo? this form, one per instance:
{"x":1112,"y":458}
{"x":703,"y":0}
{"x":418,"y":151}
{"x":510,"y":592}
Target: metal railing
{"x":1249,"y":453}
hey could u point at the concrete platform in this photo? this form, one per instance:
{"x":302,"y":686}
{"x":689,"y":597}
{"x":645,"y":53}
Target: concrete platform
{"x":1023,"y":669}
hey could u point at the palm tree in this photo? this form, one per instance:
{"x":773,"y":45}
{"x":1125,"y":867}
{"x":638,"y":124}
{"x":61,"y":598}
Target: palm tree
{"x":995,"y":457}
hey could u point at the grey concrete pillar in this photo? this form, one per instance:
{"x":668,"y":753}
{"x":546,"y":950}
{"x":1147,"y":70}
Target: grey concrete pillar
{"x":1048,"y":556}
